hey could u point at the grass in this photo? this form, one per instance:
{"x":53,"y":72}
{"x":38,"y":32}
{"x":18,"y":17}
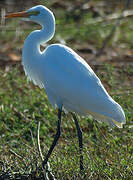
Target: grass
{"x":107,"y":153}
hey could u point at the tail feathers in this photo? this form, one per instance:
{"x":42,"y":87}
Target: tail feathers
{"x":108,"y":120}
{"x":118,"y":124}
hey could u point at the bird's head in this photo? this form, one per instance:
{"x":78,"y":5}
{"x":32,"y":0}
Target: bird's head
{"x":39,"y":14}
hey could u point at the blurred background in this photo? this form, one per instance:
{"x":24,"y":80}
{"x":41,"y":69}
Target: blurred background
{"x":84,"y":25}
{"x":101,"y":32}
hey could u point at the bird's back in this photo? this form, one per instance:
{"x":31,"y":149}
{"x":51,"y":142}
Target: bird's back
{"x":70,"y":81}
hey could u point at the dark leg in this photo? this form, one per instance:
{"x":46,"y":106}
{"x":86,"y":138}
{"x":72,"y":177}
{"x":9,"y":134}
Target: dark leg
{"x":79,"y":132}
{"x":58,"y":132}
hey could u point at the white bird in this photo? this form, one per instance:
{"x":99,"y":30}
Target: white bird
{"x":68,"y":80}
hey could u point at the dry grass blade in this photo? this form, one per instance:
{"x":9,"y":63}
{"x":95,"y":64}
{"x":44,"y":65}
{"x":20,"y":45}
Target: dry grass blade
{"x":48,"y":175}
{"x":38,"y":141}
{"x":15,"y":154}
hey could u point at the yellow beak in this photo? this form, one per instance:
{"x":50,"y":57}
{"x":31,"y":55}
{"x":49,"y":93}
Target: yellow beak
{"x":19,"y":14}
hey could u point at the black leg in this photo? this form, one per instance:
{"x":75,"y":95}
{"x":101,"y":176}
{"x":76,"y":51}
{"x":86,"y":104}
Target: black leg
{"x":58,"y":132}
{"x":79,"y":132}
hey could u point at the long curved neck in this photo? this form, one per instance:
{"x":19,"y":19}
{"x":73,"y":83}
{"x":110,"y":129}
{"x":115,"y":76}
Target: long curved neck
{"x":38,"y":37}
{"x":31,"y":54}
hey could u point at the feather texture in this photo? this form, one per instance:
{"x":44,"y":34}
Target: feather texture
{"x":67,"y":79}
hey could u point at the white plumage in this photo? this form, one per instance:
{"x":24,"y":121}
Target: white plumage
{"x":68,"y":80}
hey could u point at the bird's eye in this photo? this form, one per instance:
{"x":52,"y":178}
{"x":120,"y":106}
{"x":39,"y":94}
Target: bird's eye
{"x":34,"y":13}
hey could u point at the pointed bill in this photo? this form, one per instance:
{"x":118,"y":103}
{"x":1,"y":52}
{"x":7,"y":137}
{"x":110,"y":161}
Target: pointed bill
{"x":19,"y":14}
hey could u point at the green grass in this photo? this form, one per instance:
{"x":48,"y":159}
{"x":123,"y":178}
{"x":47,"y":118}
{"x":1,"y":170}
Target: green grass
{"x":107,"y":153}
